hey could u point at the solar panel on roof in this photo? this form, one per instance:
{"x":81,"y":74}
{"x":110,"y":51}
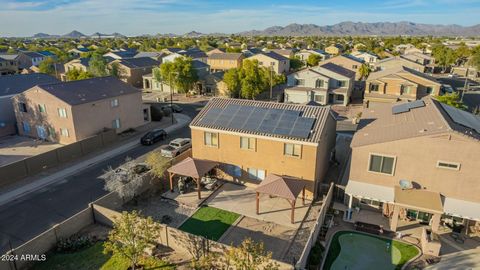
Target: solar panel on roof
{"x":210,"y":117}
{"x":255,"y":119}
{"x":463,"y":118}
{"x":302,"y":127}
{"x":401,"y":108}
{"x":270,"y":121}
{"x":416,"y":104}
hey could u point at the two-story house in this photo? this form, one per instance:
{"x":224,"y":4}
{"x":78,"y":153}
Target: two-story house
{"x":426,"y":60}
{"x":416,"y":161}
{"x":10,"y":86}
{"x":131,"y":70}
{"x":325,"y":84}
{"x":81,"y":64}
{"x":398,"y":61}
{"x":400,"y":83}
{"x":304,"y":54}
{"x":224,"y":61}
{"x":346,"y":61}
{"x":252,"y":139}
{"x":366,"y":57}
{"x":67,"y":112}
{"x":28,"y":59}
{"x":8,"y":64}
{"x":272,"y":61}
{"x":334,"y":49}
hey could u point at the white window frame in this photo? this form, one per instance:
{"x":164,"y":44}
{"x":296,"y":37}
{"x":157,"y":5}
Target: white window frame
{"x":62,"y":112}
{"x":114,"y":103}
{"x":448,"y":162}
{"x":252,"y":146}
{"x":207,"y":139}
{"x":64,"y":132}
{"x":256,"y":176}
{"x":382,"y":155}
{"x":116,"y":124}
{"x":293,"y":150}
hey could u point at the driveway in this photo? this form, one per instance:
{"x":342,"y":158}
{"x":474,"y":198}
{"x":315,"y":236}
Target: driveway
{"x":241,"y":200}
{"x":15,"y":148}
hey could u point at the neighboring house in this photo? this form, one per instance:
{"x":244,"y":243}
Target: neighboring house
{"x":403,"y":47}
{"x":67,"y":112}
{"x":120,"y":54}
{"x":287,"y":53}
{"x":465,"y":71}
{"x":29,"y":59}
{"x":335,"y":49}
{"x":398,"y":61}
{"x":77,"y":51}
{"x":326,"y":84}
{"x":367,"y":57}
{"x":214,"y":85}
{"x":272,"y":61}
{"x":251,"y":51}
{"x":304,"y":54}
{"x":8,"y":64}
{"x":416,"y":160}
{"x":154,"y":55}
{"x":225,"y":61}
{"x":131,"y":70}
{"x":400,"y":83}
{"x":78,"y":64}
{"x":48,"y":54}
{"x":216,"y":50}
{"x":423,"y":59}
{"x":296,"y":140}
{"x":348,"y":62}
{"x":194,"y":53}
{"x":10,"y":86}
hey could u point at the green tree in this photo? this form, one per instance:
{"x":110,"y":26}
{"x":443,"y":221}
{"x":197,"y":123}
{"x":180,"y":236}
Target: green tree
{"x":475,"y":59}
{"x":130,"y":236}
{"x":233,"y":80}
{"x":180,"y":73}
{"x":157,"y":163}
{"x":296,"y":63}
{"x":114,"y":70}
{"x":250,"y":255}
{"x":253,"y":80}
{"x":97,"y":65}
{"x":364,"y":71}
{"x":75,"y":74}
{"x":46,"y":66}
{"x":313,"y":60}
{"x":444,"y":56}
{"x":452,"y":99}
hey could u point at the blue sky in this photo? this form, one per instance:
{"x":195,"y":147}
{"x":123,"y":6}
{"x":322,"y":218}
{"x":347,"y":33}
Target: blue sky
{"x":134,"y":17}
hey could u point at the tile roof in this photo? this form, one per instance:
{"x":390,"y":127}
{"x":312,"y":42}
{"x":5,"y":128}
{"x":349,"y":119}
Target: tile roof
{"x":399,"y":69}
{"x":226,"y":56}
{"x":339,"y":70}
{"x":32,"y":54}
{"x":149,"y":54}
{"x":320,"y":113}
{"x":9,"y":56}
{"x":199,"y":64}
{"x":380,"y":125}
{"x":140,"y":62}
{"x":89,"y":90}
{"x":15,"y":84}
{"x":275,"y":56}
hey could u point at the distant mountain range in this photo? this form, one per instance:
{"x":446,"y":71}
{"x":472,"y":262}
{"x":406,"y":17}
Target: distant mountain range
{"x":339,"y":29}
{"x":359,"y":28}
{"x":77,"y":34}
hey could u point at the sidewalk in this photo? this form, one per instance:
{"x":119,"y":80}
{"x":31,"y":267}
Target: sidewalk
{"x":181,"y":121}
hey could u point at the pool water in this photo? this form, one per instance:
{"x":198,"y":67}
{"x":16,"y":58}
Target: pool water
{"x":354,"y":250}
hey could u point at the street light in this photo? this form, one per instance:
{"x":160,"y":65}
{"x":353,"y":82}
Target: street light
{"x":171,"y":94}
{"x":271,"y":84}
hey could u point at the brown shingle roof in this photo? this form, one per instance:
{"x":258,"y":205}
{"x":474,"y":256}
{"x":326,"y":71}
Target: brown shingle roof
{"x":225,"y":56}
{"x":320,"y":113}
{"x":380,"y":125}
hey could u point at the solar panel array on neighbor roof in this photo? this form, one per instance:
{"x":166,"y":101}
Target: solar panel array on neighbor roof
{"x":405,"y":107}
{"x":258,"y":119}
{"x":463,"y":118}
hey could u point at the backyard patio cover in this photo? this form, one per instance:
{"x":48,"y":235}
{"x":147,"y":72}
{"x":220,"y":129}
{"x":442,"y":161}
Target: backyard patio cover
{"x":420,"y":199}
{"x":195,"y":168}
{"x":282,"y":186}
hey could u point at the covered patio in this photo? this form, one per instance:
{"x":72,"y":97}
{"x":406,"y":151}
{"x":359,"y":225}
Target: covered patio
{"x":194,"y":168}
{"x":282,"y":186}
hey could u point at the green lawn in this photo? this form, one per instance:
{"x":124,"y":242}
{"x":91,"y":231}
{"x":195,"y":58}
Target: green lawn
{"x":355,"y":250}
{"x":209,"y":222}
{"x":92,"y":258}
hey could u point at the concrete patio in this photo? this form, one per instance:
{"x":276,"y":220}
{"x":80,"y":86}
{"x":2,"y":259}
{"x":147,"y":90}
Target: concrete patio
{"x":241,"y":200}
{"x":189,"y":198}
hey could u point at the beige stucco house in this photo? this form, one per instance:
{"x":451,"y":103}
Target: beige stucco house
{"x":249,"y":150}
{"x":224,"y":61}
{"x":400,"y":83}
{"x":334,"y":49}
{"x":272,"y":61}
{"x":8,"y":64}
{"x":416,"y":161}
{"x":78,"y":64}
{"x":215,"y":86}
{"x":346,"y":61}
{"x":131,"y":70}
{"x":67,"y":112}
{"x":398,"y":61}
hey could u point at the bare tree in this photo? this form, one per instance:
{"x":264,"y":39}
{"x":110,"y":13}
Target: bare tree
{"x":123,"y":180}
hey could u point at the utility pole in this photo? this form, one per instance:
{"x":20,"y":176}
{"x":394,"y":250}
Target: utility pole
{"x":271,"y":84}
{"x":465,"y":86}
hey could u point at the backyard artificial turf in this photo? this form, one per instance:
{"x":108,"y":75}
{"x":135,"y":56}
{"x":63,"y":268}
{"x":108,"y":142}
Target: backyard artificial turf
{"x":209,"y":222}
{"x":354,"y":250}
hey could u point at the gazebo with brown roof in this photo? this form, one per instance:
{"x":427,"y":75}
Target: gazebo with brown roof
{"x":194,"y":168}
{"x":282,"y":186}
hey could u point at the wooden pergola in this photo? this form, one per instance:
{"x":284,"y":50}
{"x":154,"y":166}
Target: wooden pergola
{"x":282,"y":186}
{"x":194,"y":168}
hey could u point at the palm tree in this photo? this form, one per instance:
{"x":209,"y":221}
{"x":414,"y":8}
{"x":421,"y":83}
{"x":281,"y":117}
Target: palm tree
{"x":364,"y":71}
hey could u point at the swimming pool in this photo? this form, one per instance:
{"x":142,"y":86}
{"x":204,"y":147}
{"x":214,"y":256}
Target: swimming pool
{"x":354,"y":250}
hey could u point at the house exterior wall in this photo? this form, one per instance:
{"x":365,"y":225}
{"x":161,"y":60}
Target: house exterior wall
{"x":224,"y":64}
{"x":7,"y":116}
{"x":133,"y":76}
{"x":333,"y":50}
{"x":229,"y":152}
{"x":74,"y":65}
{"x":394,"y":63}
{"x":8,"y":67}
{"x":392,"y":86}
{"x":49,"y":120}
{"x":416,"y":160}
{"x":279,"y":67}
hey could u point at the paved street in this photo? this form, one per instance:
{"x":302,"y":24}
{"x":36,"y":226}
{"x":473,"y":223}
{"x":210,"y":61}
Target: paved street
{"x":30,"y":215}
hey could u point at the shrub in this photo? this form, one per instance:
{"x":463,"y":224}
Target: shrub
{"x":74,"y":243}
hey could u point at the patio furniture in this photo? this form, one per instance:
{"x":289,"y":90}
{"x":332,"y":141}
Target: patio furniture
{"x":458,"y":237}
{"x":209,"y":183}
{"x":369,"y":228}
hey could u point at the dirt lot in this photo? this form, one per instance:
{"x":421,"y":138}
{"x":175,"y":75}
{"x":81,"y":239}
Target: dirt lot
{"x":276,"y":238}
{"x":15,"y":148}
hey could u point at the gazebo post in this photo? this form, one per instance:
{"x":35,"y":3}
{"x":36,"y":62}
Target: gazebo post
{"x":198,"y":188}
{"x":293,"y":211}
{"x":303,"y":195}
{"x":171,"y":181}
{"x":258,"y":203}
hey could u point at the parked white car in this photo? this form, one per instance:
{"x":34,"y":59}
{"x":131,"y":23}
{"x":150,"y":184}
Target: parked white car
{"x":175,"y":147}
